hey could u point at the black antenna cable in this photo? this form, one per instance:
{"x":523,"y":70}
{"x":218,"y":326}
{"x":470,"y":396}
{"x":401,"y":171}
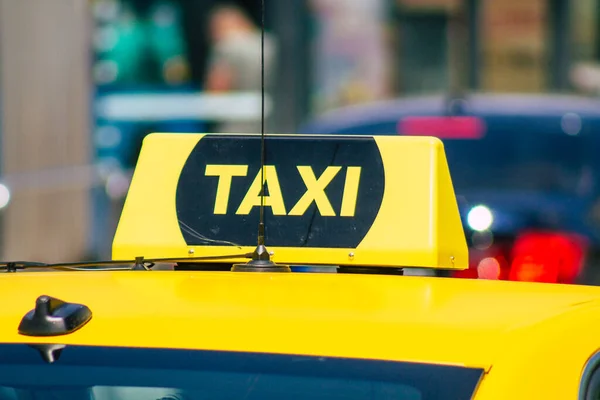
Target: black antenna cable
{"x":261,"y":258}
{"x":261,"y":224}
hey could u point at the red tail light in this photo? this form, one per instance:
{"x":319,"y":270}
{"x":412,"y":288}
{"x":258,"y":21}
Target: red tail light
{"x":547,"y":257}
{"x":442,"y":127}
{"x":490,"y":263}
{"x":535,"y":256}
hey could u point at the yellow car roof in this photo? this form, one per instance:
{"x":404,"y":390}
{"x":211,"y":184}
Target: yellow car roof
{"x":434,"y":320}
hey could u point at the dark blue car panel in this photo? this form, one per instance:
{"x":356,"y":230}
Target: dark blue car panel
{"x":354,"y":117}
{"x":537,"y":165}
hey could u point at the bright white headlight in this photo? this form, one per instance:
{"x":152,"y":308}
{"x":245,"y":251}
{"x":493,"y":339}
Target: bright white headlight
{"x":480,"y":218}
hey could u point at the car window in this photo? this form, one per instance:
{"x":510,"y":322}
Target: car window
{"x":86,"y":373}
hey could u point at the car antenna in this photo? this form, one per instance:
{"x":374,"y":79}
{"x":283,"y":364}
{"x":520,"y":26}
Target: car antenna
{"x":261,"y":258}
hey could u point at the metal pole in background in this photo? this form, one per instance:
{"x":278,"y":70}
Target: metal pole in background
{"x":292,"y":92}
{"x":559,"y":33}
{"x":597,"y":31}
{"x":473,"y":11}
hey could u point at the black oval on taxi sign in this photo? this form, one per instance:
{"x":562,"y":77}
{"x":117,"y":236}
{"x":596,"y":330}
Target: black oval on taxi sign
{"x":352,"y":168}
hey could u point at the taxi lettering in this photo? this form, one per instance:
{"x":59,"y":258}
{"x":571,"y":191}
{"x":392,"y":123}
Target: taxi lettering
{"x":315,"y":190}
{"x":315,"y":187}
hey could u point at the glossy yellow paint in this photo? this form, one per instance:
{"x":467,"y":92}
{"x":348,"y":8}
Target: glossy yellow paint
{"x":418,"y":223}
{"x":532,"y":339}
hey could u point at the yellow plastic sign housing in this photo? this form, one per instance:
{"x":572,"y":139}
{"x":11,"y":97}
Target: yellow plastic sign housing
{"x":330,"y":200}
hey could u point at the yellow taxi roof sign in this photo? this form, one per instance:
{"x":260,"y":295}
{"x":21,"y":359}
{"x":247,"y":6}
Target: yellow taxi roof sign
{"x":330,"y":200}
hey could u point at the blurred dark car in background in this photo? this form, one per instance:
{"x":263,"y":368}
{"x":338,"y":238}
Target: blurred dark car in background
{"x":526,"y":170}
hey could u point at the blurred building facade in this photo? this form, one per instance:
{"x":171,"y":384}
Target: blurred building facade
{"x":339,"y":52}
{"x":485,"y":45}
{"x":56,"y":58}
{"x":349,"y":51}
{"x":45,"y":125}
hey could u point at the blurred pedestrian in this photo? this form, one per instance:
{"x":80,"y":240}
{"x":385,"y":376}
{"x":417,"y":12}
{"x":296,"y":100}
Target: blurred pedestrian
{"x":235,"y":61}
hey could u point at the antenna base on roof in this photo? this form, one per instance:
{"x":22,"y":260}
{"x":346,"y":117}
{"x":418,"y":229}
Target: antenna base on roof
{"x":261,"y":262}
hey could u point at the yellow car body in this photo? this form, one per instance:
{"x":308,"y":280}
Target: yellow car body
{"x":532,"y":341}
{"x":341,"y":335}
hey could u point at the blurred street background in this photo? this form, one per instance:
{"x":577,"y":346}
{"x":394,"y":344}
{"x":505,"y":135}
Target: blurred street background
{"x":83,"y":81}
